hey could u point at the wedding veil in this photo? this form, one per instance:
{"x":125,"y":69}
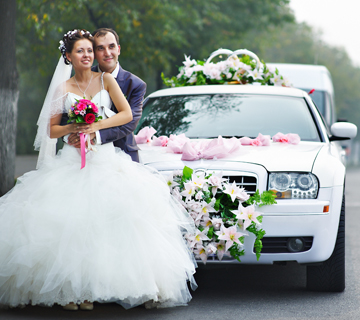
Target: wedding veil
{"x":53,"y":105}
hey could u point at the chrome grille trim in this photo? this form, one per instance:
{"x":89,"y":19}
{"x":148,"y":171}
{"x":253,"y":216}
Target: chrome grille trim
{"x":248,"y":181}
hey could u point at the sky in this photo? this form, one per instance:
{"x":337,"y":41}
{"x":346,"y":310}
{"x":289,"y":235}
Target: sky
{"x":338,"y":20}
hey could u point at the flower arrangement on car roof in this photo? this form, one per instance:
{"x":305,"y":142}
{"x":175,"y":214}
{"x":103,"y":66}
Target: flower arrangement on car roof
{"x":233,"y":70}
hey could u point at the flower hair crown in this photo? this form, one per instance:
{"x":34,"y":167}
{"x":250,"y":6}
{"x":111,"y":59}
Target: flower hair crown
{"x":233,"y":70}
{"x":69,"y":35}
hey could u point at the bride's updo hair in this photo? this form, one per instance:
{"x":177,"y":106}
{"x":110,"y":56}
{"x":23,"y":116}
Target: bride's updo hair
{"x":69,"y":39}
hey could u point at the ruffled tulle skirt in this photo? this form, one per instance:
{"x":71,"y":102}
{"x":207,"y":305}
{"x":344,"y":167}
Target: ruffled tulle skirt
{"x":108,"y":232}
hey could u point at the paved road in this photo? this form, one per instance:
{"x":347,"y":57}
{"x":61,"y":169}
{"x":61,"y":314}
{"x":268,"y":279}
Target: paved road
{"x":248,"y":292}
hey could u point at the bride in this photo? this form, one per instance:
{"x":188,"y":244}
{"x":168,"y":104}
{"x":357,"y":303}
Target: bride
{"x":108,"y":232}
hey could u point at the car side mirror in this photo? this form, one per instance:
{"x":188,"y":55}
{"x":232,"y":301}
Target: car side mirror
{"x":343,"y":131}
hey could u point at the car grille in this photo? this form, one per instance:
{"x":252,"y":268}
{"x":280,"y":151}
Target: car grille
{"x":249,"y":183}
{"x":279,"y":244}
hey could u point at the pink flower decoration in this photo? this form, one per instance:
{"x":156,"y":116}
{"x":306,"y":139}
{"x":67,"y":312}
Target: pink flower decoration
{"x":176,"y":143}
{"x":256,"y":142}
{"x":245,"y":141}
{"x":260,"y":140}
{"x":144,"y":135}
{"x":161,"y":141}
{"x":291,"y":138}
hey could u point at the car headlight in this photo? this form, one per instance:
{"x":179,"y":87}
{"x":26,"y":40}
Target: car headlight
{"x":292,"y":185}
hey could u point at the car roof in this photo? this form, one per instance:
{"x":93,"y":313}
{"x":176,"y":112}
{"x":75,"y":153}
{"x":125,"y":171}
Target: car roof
{"x":305,"y":75}
{"x":220,"y":89}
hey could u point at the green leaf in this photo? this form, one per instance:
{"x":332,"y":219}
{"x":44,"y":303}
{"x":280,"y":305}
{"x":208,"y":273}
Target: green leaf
{"x":79,"y":119}
{"x":255,"y":198}
{"x":210,"y":233}
{"x":268,"y":198}
{"x":187,"y":173}
{"x":217,"y":203}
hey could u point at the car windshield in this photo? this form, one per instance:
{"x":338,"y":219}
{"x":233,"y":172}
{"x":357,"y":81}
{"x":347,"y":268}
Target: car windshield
{"x":211,"y":115}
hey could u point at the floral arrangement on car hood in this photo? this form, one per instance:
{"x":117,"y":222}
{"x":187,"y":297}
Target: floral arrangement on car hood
{"x":233,"y":70}
{"x":224,"y":214}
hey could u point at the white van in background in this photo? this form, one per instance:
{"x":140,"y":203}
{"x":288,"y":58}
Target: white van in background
{"x":308,"y":77}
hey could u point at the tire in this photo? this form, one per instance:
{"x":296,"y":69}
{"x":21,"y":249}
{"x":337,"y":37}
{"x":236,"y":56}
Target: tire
{"x":330,"y":275}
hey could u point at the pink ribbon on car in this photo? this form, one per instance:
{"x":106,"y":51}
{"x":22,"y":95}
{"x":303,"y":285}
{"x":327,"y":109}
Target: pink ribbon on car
{"x":213,"y":149}
{"x":291,"y":138}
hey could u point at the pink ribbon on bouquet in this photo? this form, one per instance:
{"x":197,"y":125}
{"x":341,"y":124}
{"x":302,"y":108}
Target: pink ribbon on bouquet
{"x":82,"y":150}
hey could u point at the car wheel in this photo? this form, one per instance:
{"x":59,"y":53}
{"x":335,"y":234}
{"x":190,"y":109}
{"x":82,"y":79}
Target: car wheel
{"x":330,"y":275}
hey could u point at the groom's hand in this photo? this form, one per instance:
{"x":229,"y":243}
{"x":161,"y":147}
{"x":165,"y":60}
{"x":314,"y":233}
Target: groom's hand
{"x":74,"y":140}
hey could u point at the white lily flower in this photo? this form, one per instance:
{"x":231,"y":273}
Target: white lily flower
{"x":188,"y":62}
{"x":170,"y":181}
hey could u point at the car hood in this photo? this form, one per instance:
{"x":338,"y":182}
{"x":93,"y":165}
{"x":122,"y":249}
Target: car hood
{"x":276,"y":157}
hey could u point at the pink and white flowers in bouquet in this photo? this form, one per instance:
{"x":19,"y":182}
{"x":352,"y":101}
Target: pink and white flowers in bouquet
{"x":223,"y":213}
{"x":83,"y":111}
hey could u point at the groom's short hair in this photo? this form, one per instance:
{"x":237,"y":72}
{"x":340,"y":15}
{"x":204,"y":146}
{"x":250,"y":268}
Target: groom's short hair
{"x":101,"y":32}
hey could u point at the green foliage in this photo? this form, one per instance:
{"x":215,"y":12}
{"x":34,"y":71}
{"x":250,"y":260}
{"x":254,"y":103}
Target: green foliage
{"x":266,"y":198}
{"x":187,"y":173}
{"x":259,"y":234}
{"x":236,"y":252}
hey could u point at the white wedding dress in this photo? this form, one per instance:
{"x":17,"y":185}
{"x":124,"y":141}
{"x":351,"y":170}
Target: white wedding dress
{"x":108,"y":232}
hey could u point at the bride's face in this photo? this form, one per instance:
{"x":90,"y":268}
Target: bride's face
{"x":82,"y":54}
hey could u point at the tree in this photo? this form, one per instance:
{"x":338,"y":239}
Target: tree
{"x":8,"y":95}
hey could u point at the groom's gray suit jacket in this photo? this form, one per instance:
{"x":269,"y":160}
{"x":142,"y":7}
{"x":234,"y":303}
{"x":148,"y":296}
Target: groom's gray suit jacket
{"x":123,"y":137}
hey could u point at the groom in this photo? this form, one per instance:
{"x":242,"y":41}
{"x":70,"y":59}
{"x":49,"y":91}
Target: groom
{"x":107,"y":50}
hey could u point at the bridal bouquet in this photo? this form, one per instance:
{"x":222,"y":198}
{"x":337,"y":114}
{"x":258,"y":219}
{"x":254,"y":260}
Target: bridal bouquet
{"x":224,"y":214}
{"x":83,"y":111}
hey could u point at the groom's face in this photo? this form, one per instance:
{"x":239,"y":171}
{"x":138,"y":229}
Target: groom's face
{"x":107,"y":52}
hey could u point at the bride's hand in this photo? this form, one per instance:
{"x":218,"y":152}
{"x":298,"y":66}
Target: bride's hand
{"x":88,"y":128}
{"x":78,"y":127}
{"x":74,"y":140}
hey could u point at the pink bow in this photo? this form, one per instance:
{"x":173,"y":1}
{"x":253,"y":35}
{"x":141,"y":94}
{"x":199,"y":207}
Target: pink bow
{"x":291,"y":138}
{"x":162,"y":141}
{"x":176,"y":143}
{"x":216,"y":148}
{"x":144,"y":135}
{"x":260,"y":140}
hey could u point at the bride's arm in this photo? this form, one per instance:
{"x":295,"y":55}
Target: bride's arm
{"x":58,"y":131}
{"x":124,"y":114}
